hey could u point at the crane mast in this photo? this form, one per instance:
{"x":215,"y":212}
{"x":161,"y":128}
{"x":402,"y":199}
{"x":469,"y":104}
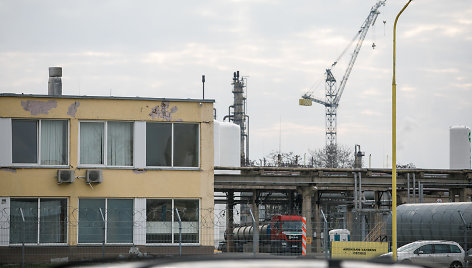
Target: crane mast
{"x":333,"y":94}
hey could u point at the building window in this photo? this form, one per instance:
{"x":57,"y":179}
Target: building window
{"x":158,"y":221}
{"x":172,"y":144}
{"x":34,"y":220}
{"x":111,"y":141}
{"x":52,"y":145}
{"x":162,"y":224}
{"x":105,"y":220}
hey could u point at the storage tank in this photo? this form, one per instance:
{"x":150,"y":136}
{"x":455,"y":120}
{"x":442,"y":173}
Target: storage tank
{"x":459,"y":147}
{"x":226,"y":145}
{"x":226,"y":154}
{"x":433,"y":221}
{"x":245,"y":233}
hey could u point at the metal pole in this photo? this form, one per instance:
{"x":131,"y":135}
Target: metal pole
{"x":255,"y":233}
{"x":355,"y":191}
{"x":408,"y":185}
{"x":104,"y":225}
{"x":180,"y":231}
{"x":325,"y":236}
{"x":360,"y":191}
{"x":414,"y":188}
{"x":23,"y":239}
{"x":420,"y":186}
{"x":203,"y":82}
{"x":394,"y":144}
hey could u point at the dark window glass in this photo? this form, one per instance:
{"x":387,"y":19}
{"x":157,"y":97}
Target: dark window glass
{"x":91,"y":224}
{"x":24,"y":220}
{"x":159,"y":221}
{"x":186,"y":145}
{"x":427,"y":249}
{"x":158,"y":144}
{"x":24,"y":141}
{"x":455,"y":249}
{"x":53,"y":221}
{"x":119,"y":221}
{"x":189,"y":213}
{"x":441,"y":248}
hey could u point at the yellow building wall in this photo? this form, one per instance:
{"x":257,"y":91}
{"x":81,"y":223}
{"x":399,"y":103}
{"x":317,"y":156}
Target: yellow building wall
{"x":129,"y":183}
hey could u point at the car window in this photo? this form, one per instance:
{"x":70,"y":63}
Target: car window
{"x":455,"y":249}
{"x":407,"y":247}
{"x":426,"y":249}
{"x":441,"y":248}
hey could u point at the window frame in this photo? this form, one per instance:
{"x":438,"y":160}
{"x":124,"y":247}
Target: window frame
{"x":38,"y":223}
{"x":174,"y":221}
{"x":106,"y":222}
{"x":105,"y":145}
{"x":173,"y":166}
{"x":38,"y":143}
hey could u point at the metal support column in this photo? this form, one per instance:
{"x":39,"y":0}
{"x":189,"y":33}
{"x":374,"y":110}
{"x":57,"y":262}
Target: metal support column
{"x":307,"y":193}
{"x":230,"y":222}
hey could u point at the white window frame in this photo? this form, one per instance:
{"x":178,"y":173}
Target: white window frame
{"x":174,"y":221}
{"x":39,"y":221}
{"x":105,"y":144}
{"x":106,"y":222}
{"x":38,"y":141}
{"x":172,"y":166}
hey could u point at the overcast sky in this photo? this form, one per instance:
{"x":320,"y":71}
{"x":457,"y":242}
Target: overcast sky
{"x":161,"y":49}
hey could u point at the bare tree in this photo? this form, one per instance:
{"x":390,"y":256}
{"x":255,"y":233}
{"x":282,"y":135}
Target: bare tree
{"x":332,"y":156}
{"x":279,"y":159}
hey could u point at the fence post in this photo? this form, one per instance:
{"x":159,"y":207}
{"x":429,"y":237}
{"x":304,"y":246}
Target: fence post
{"x":255,"y":233}
{"x":104,"y":229}
{"x":22,"y":239}
{"x":180,"y":231}
{"x":325,"y":236}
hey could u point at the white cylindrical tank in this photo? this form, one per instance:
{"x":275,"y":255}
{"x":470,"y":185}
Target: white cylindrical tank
{"x":226,"y":154}
{"x":227,"y":144}
{"x":459,"y":148}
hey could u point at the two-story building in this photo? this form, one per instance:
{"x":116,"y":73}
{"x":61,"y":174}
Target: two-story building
{"x":85,"y":176}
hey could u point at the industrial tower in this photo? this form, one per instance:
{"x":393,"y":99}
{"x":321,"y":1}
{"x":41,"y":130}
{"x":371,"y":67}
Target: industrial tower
{"x":239,"y":116}
{"x":333,"y":94}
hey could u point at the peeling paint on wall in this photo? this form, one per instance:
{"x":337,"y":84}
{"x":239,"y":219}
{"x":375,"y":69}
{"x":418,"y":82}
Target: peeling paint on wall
{"x":38,"y":107}
{"x":139,"y":171}
{"x":73,"y":108}
{"x":163,"y":111}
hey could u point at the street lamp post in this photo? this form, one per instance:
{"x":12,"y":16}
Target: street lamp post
{"x":394,"y":144}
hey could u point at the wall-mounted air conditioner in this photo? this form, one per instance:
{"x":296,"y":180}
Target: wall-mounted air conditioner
{"x":65,"y":175}
{"x":94,"y":176}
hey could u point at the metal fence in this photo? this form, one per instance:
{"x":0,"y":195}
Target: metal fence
{"x":29,"y":238}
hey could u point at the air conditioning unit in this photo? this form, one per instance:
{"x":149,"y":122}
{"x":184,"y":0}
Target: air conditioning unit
{"x":94,"y":176}
{"x":65,"y":175}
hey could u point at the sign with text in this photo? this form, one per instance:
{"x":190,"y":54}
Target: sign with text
{"x":357,"y":249}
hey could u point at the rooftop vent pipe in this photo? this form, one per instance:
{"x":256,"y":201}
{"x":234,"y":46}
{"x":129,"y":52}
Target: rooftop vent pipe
{"x":55,"y":81}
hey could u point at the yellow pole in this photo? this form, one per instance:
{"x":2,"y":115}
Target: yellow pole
{"x":394,"y":145}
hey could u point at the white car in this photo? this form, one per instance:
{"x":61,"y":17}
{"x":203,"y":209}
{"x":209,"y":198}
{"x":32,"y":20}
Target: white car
{"x":432,"y":253}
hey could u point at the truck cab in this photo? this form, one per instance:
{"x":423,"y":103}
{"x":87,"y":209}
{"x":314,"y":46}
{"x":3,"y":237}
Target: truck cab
{"x":286,"y":233}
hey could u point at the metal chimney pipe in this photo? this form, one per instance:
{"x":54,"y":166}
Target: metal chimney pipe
{"x":55,"y":81}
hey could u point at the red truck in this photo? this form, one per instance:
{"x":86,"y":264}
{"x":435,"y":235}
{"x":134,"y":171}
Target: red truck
{"x":281,"y":235}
